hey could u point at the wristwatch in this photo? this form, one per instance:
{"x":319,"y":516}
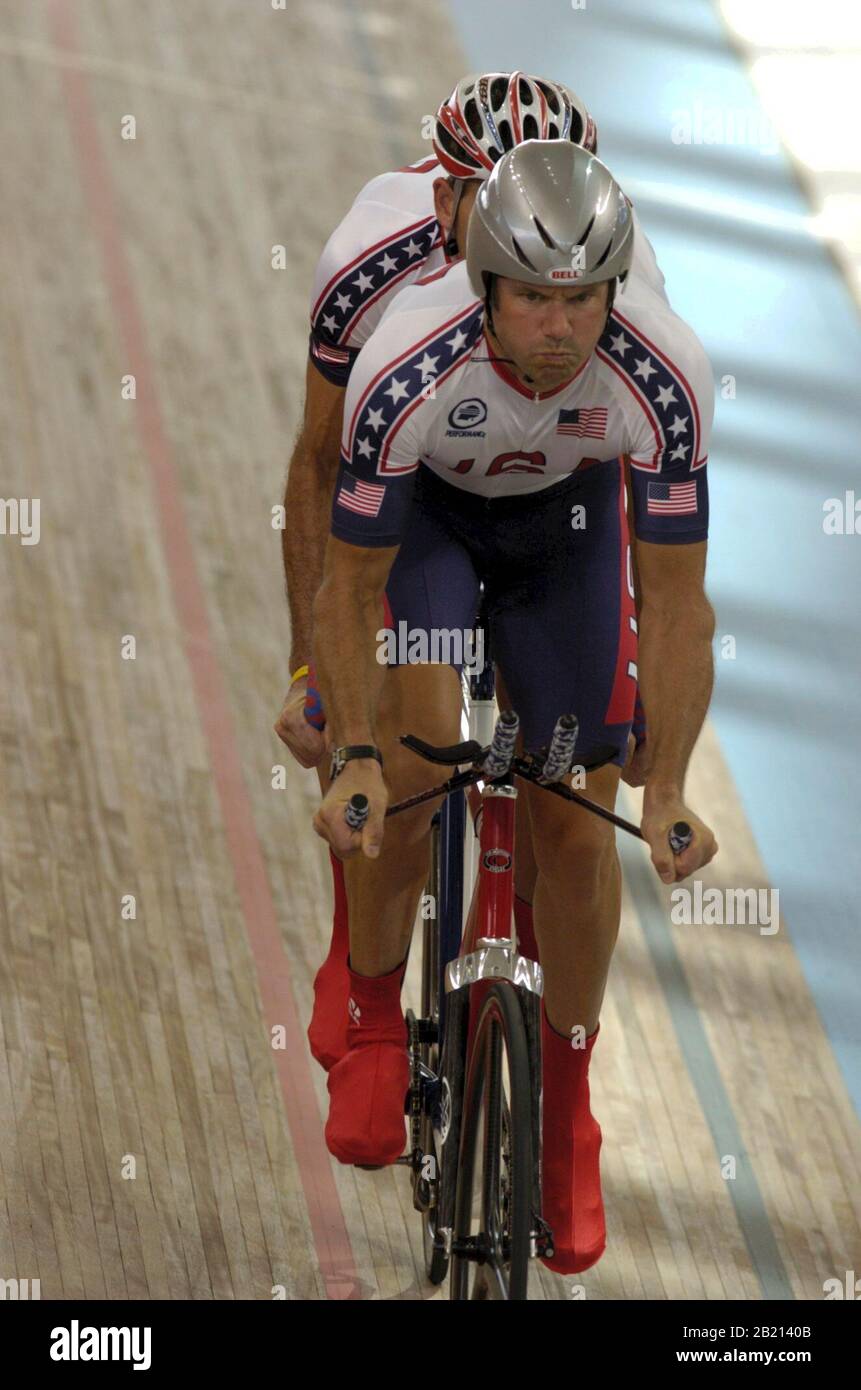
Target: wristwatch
{"x":341,"y":756}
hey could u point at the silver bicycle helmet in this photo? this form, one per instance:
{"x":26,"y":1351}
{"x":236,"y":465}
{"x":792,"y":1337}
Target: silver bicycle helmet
{"x":550,"y":214}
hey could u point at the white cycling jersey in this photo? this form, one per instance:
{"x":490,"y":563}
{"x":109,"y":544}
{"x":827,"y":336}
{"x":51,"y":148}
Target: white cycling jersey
{"x":389,"y":239}
{"x":427,"y":390}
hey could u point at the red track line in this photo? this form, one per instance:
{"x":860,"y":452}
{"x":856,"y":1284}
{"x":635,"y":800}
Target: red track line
{"x":329,"y":1229}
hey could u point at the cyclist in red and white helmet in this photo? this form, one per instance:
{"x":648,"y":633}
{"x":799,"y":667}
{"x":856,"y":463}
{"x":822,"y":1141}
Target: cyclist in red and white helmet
{"x":488,"y":114}
{"x":403,"y":226}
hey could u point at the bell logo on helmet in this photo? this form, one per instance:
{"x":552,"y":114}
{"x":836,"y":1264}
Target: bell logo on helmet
{"x":576,"y":268}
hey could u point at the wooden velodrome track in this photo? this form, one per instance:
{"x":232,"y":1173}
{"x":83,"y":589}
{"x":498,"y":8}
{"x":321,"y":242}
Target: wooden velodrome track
{"x":144,"y":1044}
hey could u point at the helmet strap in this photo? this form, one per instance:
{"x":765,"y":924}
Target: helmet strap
{"x":451,"y":248}
{"x":611,"y":297}
{"x":488,"y":297}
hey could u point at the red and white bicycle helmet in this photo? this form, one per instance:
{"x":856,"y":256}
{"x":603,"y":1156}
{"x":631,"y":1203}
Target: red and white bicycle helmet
{"x":489,"y":113}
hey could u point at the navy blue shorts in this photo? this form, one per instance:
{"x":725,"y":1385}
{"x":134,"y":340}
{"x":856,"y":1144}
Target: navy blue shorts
{"x":558,"y":598}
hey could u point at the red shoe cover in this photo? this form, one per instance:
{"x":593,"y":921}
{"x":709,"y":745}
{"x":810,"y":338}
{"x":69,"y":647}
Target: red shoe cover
{"x":327,"y":1031}
{"x":525,"y":929}
{"x":368,"y":1085}
{"x":570,"y":1161}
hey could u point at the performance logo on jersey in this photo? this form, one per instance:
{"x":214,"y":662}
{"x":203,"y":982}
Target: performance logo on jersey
{"x":661,"y":389}
{"x":365,"y":498}
{"x":370,"y":275}
{"x":587,"y":422}
{"x":403,"y":386}
{"x":466,"y":415}
{"x":672,"y":499}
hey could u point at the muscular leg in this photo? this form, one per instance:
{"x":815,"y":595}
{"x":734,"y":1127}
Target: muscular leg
{"x":368,"y":1083}
{"x":577,"y":899}
{"x":384,"y":893}
{"x":577,"y":902}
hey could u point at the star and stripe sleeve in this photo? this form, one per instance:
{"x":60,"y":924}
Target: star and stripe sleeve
{"x":380,"y":446}
{"x":362,"y":266}
{"x":673,"y":390}
{"x":389,"y":410}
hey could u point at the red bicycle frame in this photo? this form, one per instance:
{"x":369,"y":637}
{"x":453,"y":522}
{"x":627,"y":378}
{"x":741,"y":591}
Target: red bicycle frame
{"x":491,"y":912}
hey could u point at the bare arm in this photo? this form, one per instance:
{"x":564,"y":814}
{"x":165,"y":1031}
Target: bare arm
{"x":676,"y":674}
{"x":348,"y":613}
{"x":675,"y":666}
{"x":308,"y":505}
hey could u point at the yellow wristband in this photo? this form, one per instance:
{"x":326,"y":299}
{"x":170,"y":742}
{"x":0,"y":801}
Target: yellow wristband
{"x":298,"y":674}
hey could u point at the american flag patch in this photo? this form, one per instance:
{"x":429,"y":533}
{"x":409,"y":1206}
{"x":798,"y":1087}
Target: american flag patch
{"x":366,"y":498}
{"x":672,"y":499}
{"x":588,"y":422}
{"x":330,"y":354}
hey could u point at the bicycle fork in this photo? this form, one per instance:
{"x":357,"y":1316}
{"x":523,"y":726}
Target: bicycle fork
{"x":489,"y":954}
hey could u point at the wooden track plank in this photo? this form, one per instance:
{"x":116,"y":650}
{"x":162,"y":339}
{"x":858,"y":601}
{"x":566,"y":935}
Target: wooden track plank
{"x":147,"y":1037}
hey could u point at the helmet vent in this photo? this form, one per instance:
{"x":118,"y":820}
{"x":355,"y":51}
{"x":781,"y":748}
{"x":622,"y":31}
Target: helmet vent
{"x":523,"y":259}
{"x":453,"y":148}
{"x":577,"y":127}
{"x":552,"y":131}
{"x":605,"y":253}
{"x":524,"y":91}
{"x":584,"y":235}
{"x":473,"y":119}
{"x":545,"y":235}
{"x":506,"y":136}
{"x":530,"y":127}
{"x":498,"y":92}
{"x":552,"y":98}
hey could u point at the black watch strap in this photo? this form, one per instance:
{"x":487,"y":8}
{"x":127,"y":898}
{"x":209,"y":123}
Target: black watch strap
{"x":341,"y":756}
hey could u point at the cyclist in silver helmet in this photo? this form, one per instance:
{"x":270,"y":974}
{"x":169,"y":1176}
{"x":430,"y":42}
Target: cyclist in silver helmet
{"x":551,"y":221}
{"x":403,"y":225}
{"x":495,"y":424}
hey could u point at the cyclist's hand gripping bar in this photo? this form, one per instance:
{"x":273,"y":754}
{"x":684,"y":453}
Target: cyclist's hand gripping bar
{"x":680,"y":836}
{"x":356,"y":811}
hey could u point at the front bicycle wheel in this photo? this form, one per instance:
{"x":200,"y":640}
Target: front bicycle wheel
{"x":436,"y":1259}
{"x":491,"y":1238}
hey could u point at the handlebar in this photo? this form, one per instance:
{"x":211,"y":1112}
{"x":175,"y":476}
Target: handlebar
{"x":356,"y":811}
{"x":501,"y":750}
{"x":562,"y":745}
{"x":497,"y":760}
{"x":680,"y":836}
{"x":560,"y":757}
